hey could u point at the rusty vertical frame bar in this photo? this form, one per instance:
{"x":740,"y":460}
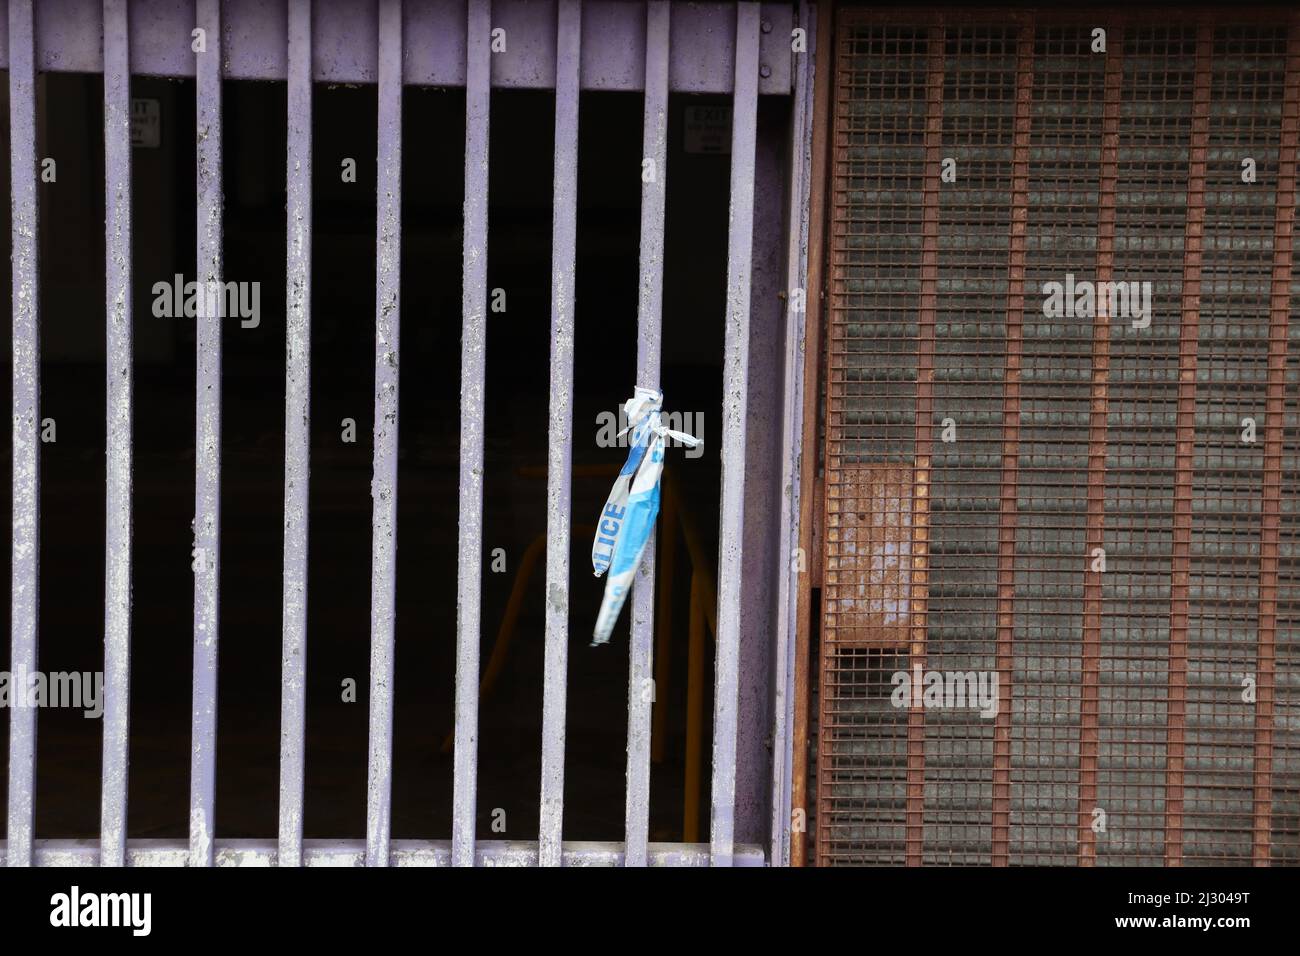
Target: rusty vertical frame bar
{"x":1010,"y":477}
{"x":117,"y":535}
{"x":478,"y":79}
{"x":1185,"y":449}
{"x":297,"y":433}
{"x":735,"y":386}
{"x":1274,"y":434}
{"x":822,"y":118}
{"x":925,"y":331}
{"x":383,"y":491}
{"x":25,"y":572}
{"x":791,"y":564}
{"x":559,"y":467}
{"x":1099,"y":406}
{"x":207,"y":436}
{"x":649,"y":327}
{"x":924,"y":428}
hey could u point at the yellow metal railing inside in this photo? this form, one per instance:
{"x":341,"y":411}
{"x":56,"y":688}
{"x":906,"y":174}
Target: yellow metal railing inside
{"x":674,"y":521}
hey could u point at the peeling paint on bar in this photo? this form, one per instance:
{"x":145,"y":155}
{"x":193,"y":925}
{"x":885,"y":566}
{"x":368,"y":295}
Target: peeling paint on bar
{"x":297,"y":435}
{"x":796,"y":255}
{"x":352,"y":853}
{"x":383,"y":488}
{"x":735,"y":384}
{"x":26,"y":420}
{"x":207,"y":432}
{"x":344,"y":51}
{"x":469,"y":577}
{"x":559,"y":470}
{"x":117,"y":546}
{"x":649,"y":329}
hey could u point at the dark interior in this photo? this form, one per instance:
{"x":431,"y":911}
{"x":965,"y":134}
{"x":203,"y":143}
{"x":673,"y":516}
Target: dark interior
{"x":72,"y":503}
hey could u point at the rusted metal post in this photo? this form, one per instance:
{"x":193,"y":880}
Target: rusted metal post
{"x":791,"y":563}
{"x":928,"y":308}
{"x":1094,"y":537}
{"x":822,"y":46}
{"x":1009,"y":482}
{"x":1185,"y":448}
{"x":1274,"y":436}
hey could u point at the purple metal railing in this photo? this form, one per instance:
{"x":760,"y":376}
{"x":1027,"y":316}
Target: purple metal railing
{"x":297,"y":435}
{"x":117,"y":545}
{"x":383,"y":487}
{"x":649,"y":326}
{"x":742,"y":49}
{"x":472,"y":370}
{"x":735,"y":389}
{"x":68,"y":39}
{"x":26,"y":420}
{"x":559,"y":463}
{"x":207,"y":440}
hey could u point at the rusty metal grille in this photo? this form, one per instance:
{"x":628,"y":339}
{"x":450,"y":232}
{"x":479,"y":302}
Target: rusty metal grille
{"x":1093,"y":506}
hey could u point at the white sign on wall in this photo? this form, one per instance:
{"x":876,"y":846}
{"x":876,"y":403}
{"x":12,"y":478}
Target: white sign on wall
{"x":708,"y":129}
{"x":146,"y":123}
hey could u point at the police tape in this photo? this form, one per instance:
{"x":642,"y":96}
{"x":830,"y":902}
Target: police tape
{"x":628,"y":518}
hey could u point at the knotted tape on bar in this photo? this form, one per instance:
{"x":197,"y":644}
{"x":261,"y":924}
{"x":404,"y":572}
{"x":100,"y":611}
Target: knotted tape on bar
{"x":628,"y":518}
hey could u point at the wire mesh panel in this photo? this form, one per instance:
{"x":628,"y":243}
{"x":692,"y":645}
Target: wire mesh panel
{"x":1060,"y":578}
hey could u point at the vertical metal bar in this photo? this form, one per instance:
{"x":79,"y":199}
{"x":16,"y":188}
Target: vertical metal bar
{"x":649,"y":326}
{"x":735,"y":386}
{"x":1185,"y":448}
{"x":117,"y":541}
{"x":1094,"y":536}
{"x":26,"y":422}
{"x":1009,"y":482}
{"x":809,"y":507}
{"x":1274,"y":412}
{"x":925,"y":334}
{"x":297,"y":434}
{"x":559,"y":469}
{"x":478,"y":79}
{"x":383,"y":492}
{"x":207,"y":433}
{"x":792,"y":448}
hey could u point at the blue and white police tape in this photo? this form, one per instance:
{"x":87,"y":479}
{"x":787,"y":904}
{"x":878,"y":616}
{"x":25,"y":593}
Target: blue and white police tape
{"x":628,"y":518}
